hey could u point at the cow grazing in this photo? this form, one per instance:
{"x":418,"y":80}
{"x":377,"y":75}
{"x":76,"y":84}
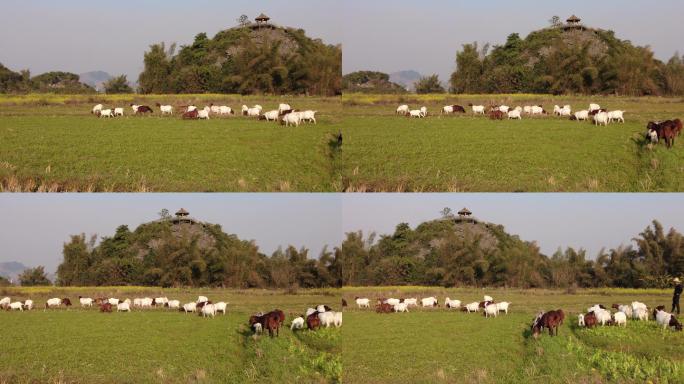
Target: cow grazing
{"x":550,"y":320}
{"x":142,"y":109}
{"x":313,"y":322}
{"x":194,"y":114}
{"x":496,"y":115}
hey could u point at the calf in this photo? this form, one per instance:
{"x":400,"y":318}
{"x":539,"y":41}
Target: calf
{"x":105,"y":308}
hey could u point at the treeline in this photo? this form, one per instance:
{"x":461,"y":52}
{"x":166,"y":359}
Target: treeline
{"x":50,"y":82}
{"x":163,"y":254}
{"x":245,"y":60}
{"x":370,"y":82}
{"x":559,"y":61}
{"x":446,"y":253}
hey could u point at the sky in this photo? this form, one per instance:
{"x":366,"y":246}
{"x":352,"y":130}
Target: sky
{"x":85,"y":35}
{"x":387,"y":35}
{"x":36,"y":226}
{"x":589,"y":221}
{"x":393,"y":35}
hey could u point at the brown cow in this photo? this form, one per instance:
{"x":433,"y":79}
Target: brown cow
{"x":496,"y":115}
{"x":313,"y":322}
{"x":194,"y":114}
{"x":271,"y":321}
{"x":590,"y":320}
{"x":106,"y":308}
{"x":279,"y":315}
{"x":143,"y":109}
{"x":550,"y":320}
{"x":384,"y":308}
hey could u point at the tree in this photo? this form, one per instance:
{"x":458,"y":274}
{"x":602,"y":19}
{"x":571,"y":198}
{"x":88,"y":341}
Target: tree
{"x":555,"y":22}
{"x":446,"y":213}
{"x":469,"y":67}
{"x":33,"y":277}
{"x":164,"y":214}
{"x":243,"y":20}
{"x":155,"y":77}
{"x":117,"y":84}
{"x":429,"y":84}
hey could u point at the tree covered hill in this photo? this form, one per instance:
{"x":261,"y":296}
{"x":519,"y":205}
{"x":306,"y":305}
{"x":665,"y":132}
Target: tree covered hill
{"x":182,"y":251}
{"x":370,"y":82}
{"x":460,"y":251}
{"x":49,"y":82}
{"x":566,"y":58}
{"x":247,"y":59}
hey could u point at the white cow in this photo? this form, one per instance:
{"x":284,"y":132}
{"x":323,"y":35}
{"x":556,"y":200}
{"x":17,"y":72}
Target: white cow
{"x":297,"y":323}
{"x":478,"y":109}
{"x":453,"y":304}
{"x":429,"y":302}
{"x":403,"y":110}
{"x":363,"y":302}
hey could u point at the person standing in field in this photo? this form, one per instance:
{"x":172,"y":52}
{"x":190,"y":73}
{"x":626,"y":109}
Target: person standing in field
{"x":677,"y":294}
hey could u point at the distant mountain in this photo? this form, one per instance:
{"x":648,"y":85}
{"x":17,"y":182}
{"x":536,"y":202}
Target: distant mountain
{"x":95,"y":78}
{"x":11,"y":269}
{"x":405,"y":78}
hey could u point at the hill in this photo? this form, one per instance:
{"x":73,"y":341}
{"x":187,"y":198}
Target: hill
{"x":49,"y":82}
{"x":370,"y":82}
{"x":252,"y":58}
{"x":11,"y":270}
{"x":464,"y":251}
{"x":566,"y":58}
{"x":406,"y":78}
{"x":95,"y":79}
{"x":179,"y":250}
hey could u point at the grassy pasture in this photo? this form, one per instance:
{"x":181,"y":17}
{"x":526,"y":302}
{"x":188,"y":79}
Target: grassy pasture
{"x":53,"y":143}
{"x":443,"y":346}
{"x":466,"y":153}
{"x":157,"y":345}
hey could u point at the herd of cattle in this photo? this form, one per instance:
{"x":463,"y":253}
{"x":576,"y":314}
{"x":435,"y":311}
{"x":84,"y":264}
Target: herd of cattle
{"x":285,"y":114}
{"x":489,"y":307}
{"x":656,"y":131}
{"x":600,"y":116}
{"x":315,"y":318}
{"x":551,"y":320}
{"x":599,"y":315}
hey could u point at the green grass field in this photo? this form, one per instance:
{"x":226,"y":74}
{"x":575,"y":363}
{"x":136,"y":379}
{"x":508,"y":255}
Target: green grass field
{"x":384,"y":152}
{"x":443,"y":346}
{"x":157,"y":345}
{"x":53,"y":143}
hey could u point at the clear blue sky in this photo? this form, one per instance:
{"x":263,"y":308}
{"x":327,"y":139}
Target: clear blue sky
{"x":35,"y":226}
{"x":80,"y":36}
{"x":391,"y":35}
